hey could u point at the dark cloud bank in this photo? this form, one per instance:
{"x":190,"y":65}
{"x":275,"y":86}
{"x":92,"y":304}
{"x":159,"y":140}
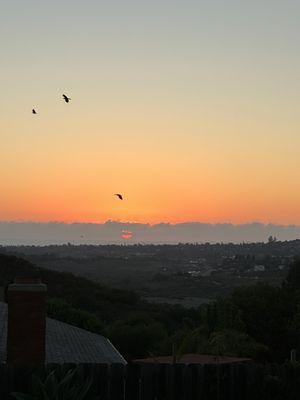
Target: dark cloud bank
{"x":29,"y":233}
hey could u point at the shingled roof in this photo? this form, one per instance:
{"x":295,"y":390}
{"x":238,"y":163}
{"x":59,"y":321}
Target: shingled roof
{"x":67,"y":344}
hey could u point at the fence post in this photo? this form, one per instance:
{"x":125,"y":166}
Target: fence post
{"x":189,"y":383}
{"x":224,"y":381}
{"x":148,"y":381}
{"x":162,"y":385}
{"x":210,"y":382}
{"x":4,"y":389}
{"x":178,"y":384}
{"x":170,"y":382}
{"x":102,"y":384}
{"x":132,"y":382}
{"x":116,"y":384}
{"x":98,"y":375}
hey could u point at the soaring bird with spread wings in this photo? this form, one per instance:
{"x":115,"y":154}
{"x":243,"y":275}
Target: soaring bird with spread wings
{"x":66,"y":98}
{"x":119,"y":196}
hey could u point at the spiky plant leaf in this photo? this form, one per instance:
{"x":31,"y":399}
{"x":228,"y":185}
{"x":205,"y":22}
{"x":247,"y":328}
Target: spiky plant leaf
{"x":22,"y":396}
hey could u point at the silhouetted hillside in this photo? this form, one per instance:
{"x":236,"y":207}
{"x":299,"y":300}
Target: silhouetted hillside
{"x":135,"y":327}
{"x":79,"y":292}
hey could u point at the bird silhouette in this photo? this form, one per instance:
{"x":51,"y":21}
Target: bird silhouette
{"x":119,"y":195}
{"x":66,"y":98}
{"x":33,"y":111}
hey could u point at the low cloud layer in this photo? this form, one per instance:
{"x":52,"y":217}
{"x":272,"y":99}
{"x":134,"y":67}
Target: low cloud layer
{"x":29,"y":233}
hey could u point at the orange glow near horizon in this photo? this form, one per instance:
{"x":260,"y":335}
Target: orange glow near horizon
{"x":207,"y":178}
{"x":204,"y":183}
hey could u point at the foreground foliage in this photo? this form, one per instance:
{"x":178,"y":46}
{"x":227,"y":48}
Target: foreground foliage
{"x":64,"y":387}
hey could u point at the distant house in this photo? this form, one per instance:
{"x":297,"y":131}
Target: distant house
{"x":282,"y":267}
{"x":259,"y":268}
{"x":28,"y":337}
{"x":203,"y":359}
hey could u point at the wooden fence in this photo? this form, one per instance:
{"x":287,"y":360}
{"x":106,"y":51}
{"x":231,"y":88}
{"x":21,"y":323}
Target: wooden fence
{"x":167,"y":382}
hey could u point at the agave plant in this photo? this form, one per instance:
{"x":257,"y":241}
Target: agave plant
{"x":53,"y":388}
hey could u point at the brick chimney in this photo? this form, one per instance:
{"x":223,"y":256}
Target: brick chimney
{"x":26,"y":331}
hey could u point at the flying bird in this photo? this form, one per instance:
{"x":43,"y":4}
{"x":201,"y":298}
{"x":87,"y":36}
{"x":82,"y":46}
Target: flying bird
{"x":66,"y":98}
{"x":119,"y":195}
{"x":33,"y":111}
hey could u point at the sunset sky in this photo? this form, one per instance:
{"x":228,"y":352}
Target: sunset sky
{"x":188,"y":108}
